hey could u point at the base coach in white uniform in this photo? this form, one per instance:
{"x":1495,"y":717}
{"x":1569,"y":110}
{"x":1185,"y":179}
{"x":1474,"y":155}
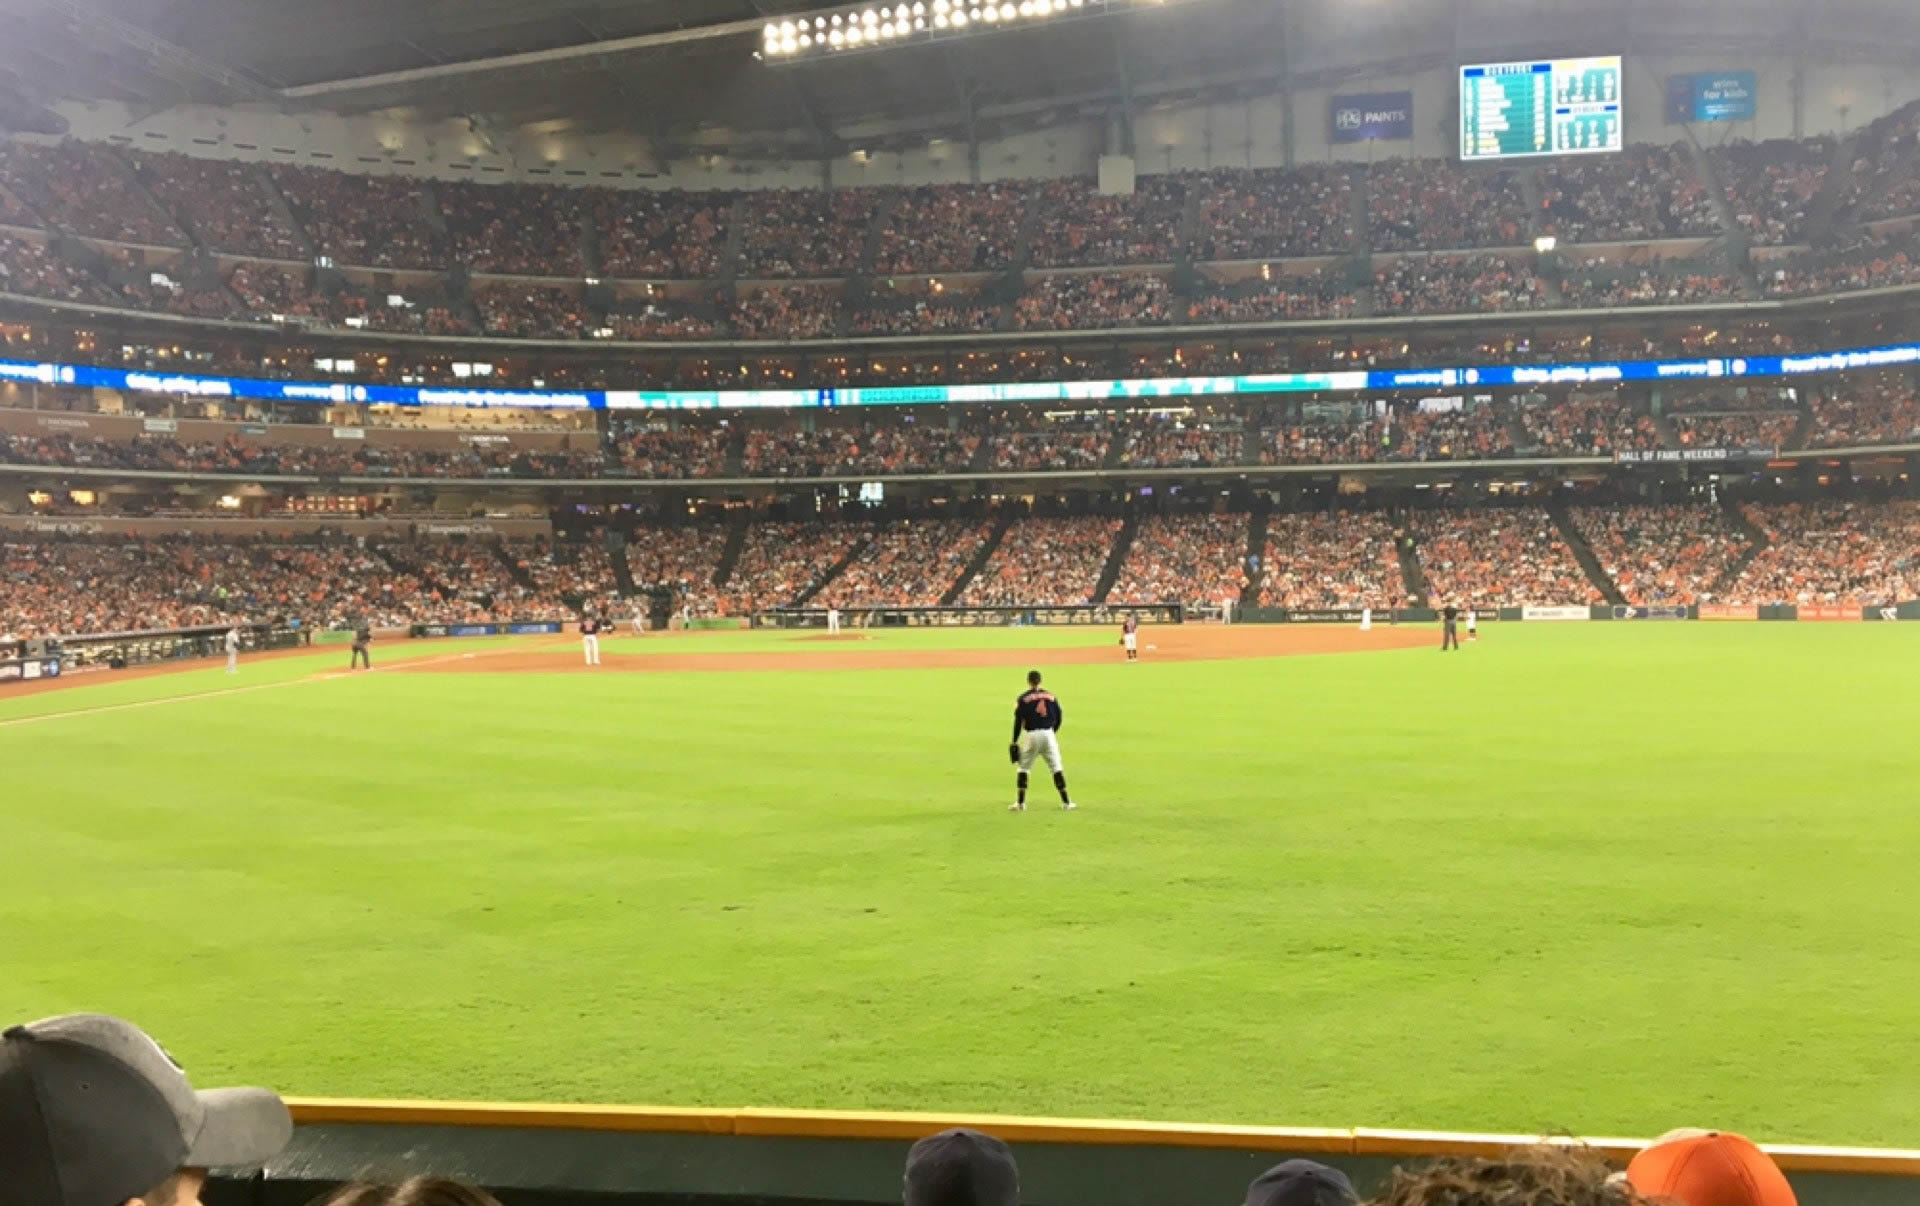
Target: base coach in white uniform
{"x":1036,"y":737}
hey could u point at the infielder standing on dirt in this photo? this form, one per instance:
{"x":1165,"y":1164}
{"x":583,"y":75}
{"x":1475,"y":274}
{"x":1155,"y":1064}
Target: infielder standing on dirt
{"x":1130,"y":636}
{"x":833,"y":621}
{"x":590,"y":639}
{"x":1036,"y":736}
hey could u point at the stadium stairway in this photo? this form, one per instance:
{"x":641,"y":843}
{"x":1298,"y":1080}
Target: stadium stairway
{"x":519,"y":572}
{"x":622,"y":569}
{"x":130,"y":173}
{"x":1412,"y":576}
{"x":399,"y":565}
{"x":1118,"y":447}
{"x":1036,"y":209}
{"x":730,"y":257}
{"x":1583,"y":553}
{"x":1669,"y":437}
{"x":1361,"y":220}
{"x":277,"y":201}
{"x":1823,"y":208}
{"x":1803,"y":430}
{"x":839,"y":567}
{"x":1256,"y":547}
{"x":737,"y":452}
{"x":730,"y":555}
{"x":1122,"y":545}
{"x":1757,"y":542}
{"x":980,"y":557}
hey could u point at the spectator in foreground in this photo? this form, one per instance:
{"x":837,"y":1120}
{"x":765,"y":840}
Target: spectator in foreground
{"x":1301,"y":1183}
{"x":94,"y":1113}
{"x":1534,"y":1176}
{"x":1708,"y":1168}
{"x":414,"y":1191}
{"x":961,"y":1167}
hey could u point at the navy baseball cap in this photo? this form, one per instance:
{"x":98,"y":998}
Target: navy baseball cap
{"x":1301,"y":1183}
{"x":93,"y":1112}
{"x":961,"y":1167}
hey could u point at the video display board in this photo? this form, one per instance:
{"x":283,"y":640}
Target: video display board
{"x":1549,"y":107}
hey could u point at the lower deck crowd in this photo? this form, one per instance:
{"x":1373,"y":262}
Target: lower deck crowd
{"x":1820,"y":552}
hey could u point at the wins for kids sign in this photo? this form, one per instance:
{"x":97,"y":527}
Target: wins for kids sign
{"x":1373,"y":117}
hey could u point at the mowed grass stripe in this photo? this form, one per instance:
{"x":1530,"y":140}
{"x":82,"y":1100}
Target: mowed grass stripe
{"x":1599,"y":878}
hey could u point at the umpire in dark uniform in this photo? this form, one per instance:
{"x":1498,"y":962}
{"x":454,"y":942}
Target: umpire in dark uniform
{"x":1449,"y":628}
{"x":362,"y":639}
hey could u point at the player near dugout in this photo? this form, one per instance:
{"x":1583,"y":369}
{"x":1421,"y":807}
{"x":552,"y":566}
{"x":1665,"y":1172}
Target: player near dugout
{"x":1036,"y":736}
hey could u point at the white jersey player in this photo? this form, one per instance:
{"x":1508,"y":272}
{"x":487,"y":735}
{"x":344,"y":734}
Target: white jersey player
{"x":833,"y":621}
{"x":1473,"y":624}
{"x":233,"y":651}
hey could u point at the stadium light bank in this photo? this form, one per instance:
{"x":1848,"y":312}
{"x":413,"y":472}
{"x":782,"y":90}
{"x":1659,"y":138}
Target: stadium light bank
{"x":863,"y":27}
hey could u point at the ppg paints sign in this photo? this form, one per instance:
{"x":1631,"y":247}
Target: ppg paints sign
{"x":1373,"y":117}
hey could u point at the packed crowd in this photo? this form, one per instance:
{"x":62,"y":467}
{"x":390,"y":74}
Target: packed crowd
{"x":1764,"y":429}
{"x":1769,"y":185}
{"x":1318,"y":294}
{"x":1600,"y":425}
{"x":1390,"y":431}
{"x":952,"y":228}
{"x":1078,"y":444}
{"x":1887,"y":183}
{"x":781,"y":561}
{"x":1330,"y":559}
{"x":1663,"y":555}
{"x":531,"y":311}
{"x":1506,"y":558}
{"x":248,"y":456}
{"x":681,"y":561}
{"x":125,"y":1112}
{"x":1447,"y":284}
{"x":89,"y":189}
{"x":659,"y":234}
{"x":875,"y":449}
{"x":519,"y":229}
{"x":1081,"y":227}
{"x":1051,"y":562}
{"x":31,"y":267}
{"x":936,"y":314}
{"x":1271,"y":214}
{"x":1597,"y":280}
{"x":645,"y":448}
{"x":795,"y":312}
{"x":57,"y":585}
{"x":1645,"y":193}
{"x":373,"y":221}
{"x":1436,"y":204}
{"x":1096,"y":300}
{"x":912,"y":563}
{"x":1882,"y":409}
{"x":224,"y":202}
{"x":805,"y":233}
{"x":1834,"y":552}
{"x":1869,"y":262}
{"x":578,"y":574}
{"x":1184,"y":441}
{"x":1198,"y":560}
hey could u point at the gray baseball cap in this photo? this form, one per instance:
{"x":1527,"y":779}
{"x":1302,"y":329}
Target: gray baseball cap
{"x":93,"y":1112}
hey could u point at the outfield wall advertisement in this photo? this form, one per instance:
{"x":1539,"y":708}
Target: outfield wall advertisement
{"x":1556,"y":613}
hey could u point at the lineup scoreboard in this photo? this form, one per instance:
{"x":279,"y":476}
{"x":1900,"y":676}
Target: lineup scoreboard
{"x":1555,"y":107}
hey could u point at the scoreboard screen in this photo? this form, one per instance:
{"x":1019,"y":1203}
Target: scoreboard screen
{"x":1558,"y":107}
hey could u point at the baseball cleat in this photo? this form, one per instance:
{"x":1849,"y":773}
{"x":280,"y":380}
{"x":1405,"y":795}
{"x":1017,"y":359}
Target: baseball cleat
{"x":1016,"y":808}
{"x":1069,"y":806}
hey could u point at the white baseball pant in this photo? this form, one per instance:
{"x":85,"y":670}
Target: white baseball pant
{"x":1041,"y":745}
{"x":590,"y":643}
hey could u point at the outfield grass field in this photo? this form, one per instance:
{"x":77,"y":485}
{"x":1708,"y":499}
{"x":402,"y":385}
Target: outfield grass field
{"x":1602,"y":878}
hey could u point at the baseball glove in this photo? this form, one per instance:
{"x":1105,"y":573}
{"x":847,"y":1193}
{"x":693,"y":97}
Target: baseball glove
{"x":1013,"y":752}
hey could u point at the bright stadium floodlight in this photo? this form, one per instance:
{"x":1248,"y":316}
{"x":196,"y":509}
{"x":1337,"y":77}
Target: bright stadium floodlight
{"x":862,"y":27}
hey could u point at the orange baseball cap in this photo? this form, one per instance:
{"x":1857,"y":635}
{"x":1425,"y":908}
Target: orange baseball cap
{"x":1710,"y":1168}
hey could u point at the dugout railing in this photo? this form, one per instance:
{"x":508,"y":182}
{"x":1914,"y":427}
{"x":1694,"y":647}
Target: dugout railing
{"x":561,"y":1155}
{"x":854,"y":619}
{"x":54,"y":657}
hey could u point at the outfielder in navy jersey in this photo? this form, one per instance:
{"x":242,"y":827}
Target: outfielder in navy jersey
{"x":1036,"y":735}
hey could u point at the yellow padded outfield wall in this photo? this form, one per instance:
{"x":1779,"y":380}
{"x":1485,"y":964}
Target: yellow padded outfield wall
{"x":855,"y":1124}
